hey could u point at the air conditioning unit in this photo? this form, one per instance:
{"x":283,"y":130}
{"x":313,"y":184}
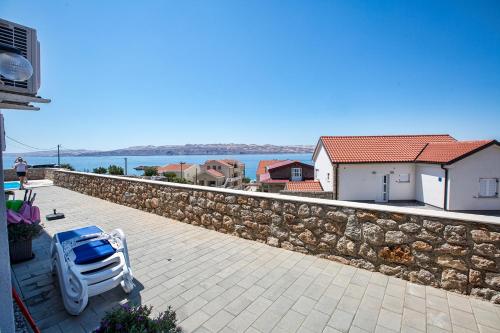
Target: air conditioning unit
{"x":24,"y":39}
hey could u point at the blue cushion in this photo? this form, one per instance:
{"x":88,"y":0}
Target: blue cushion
{"x":93,"y":251}
{"x":64,"y":236}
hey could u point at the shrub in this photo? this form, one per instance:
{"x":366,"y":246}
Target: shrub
{"x":23,"y":231}
{"x":115,"y":170}
{"x":67,"y":166}
{"x":170,"y":176}
{"x":246,"y":180}
{"x":150,"y":171}
{"x":136,"y":320}
{"x":100,"y":170}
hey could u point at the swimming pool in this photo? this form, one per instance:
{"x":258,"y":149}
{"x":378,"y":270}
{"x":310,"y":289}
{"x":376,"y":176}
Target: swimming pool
{"x":11,"y":185}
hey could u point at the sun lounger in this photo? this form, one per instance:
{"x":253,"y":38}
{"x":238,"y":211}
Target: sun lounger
{"x":88,"y":262}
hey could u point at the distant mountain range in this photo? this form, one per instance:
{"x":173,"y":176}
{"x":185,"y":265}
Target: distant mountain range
{"x":189,"y":149}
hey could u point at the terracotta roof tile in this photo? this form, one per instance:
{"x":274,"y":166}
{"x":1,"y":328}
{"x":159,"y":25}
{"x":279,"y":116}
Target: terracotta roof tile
{"x":215,"y":173}
{"x":304,"y":186}
{"x":446,"y":152}
{"x":261,"y":168}
{"x":217,"y":161}
{"x":280,"y":164}
{"x":175,"y":167}
{"x":371,"y":149}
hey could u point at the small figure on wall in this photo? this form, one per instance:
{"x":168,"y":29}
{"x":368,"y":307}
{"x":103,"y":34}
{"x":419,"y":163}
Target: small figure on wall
{"x":21,"y":168}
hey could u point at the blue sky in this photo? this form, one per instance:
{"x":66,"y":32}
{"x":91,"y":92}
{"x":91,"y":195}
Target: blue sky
{"x":123,"y":73}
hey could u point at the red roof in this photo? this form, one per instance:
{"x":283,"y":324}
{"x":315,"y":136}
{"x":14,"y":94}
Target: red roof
{"x":261,"y":168}
{"x":266,"y":178}
{"x":215,"y":173}
{"x":372,"y":149}
{"x":218,"y":161}
{"x":280,"y":164}
{"x":446,"y":152}
{"x":304,"y":186}
{"x":175,"y":167}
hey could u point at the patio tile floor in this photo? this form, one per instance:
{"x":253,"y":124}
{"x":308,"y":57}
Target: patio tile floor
{"x":221,"y":283}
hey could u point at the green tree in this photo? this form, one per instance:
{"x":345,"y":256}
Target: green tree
{"x":100,"y":170}
{"x":67,"y":166}
{"x":150,"y":171}
{"x":246,"y":180}
{"x":171,"y":176}
{"x":115,"y":170}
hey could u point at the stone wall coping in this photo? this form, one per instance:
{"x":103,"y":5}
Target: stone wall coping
{"x":475,"y":218}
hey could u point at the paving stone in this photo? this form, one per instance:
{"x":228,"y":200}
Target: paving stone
{"x":414,"y":319}
{"x":238,"y":305}
{"x":259,"y":305}
{"x":414,"y":303}
{"x":415,"y":290}
{"x":304,"y":305}
{"x":394,"y":304}
{"x":463,"y":319}
{"x":389,"y":319}
{"x":348,"y":304}
{"x":435,"y":302}
{"x":329,"y":329}
{"x":459,"y":302}
{"x":242,"y":321}
{"x":438,"y":319}
{"x":291,"y":321}
{"x":266,"y":322}
{"x":315,"y":321}
{"x":341,"y":320}
{"x":366,"y":319}
{"x":206,"y":275}
{"x":194,"y":321}
{"x":486,"y":318}
{"x":218,"y":321}
{"x":355,"y":329}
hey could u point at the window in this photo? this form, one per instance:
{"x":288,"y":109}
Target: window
{"x":218,"y":167}
{"x":328,"y":177}
{"x":488,"y":187}
{"x":296,"y":173}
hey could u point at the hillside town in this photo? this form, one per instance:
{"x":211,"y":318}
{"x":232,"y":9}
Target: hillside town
{"x":437,"y":171}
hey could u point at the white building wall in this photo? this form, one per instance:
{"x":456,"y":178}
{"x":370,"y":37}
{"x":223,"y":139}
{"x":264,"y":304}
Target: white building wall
{"x":464,"y":180}
{"x":190,"y":173}
{"x":364,"y":181}
{"x":323,"y":169}
{"x":430,"y":184}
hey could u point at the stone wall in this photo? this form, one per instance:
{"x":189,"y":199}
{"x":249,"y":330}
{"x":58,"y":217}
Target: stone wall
{"x":33,"y":174}
{"x":454,"y":251}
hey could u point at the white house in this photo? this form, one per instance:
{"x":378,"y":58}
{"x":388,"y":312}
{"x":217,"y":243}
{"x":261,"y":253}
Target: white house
{"x":187,"y":171}
{"x":434,"y":169}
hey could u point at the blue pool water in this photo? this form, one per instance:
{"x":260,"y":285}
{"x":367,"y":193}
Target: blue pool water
{"x":11,"y":185}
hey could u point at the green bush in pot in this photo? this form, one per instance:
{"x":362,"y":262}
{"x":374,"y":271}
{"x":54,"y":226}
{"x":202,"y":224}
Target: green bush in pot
{"x":20,"y":237}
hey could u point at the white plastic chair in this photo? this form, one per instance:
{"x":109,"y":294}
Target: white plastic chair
{"x":89,"y":262}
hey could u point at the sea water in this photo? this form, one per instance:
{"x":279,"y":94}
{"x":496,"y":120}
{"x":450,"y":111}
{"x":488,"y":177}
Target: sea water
{"x":88,"y":163}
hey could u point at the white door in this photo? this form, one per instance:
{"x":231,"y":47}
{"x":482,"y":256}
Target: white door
{"x":385,"y":189}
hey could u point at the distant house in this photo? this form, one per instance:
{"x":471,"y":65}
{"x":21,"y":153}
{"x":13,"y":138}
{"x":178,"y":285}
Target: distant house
{"x":279,"y":173}
{"x":262,"y":167}
{"x":186,"y":170}
{"x":434,"y":169}
{"x":222,"y":173}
